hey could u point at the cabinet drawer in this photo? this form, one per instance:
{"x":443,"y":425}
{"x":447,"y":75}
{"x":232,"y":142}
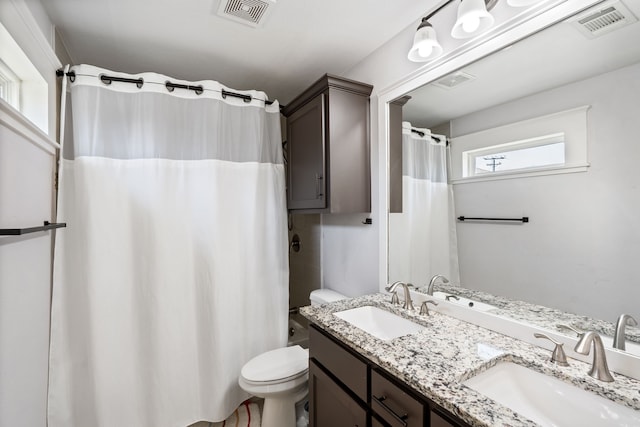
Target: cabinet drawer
{"x":350,"y":370}
{"x":329,"y":404}
{"x":376,"y":423}
{"x":393,"y":405}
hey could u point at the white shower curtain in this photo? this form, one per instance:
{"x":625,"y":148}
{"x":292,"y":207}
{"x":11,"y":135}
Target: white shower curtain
{"x":422,"y":239}
{"x":173,"y":270}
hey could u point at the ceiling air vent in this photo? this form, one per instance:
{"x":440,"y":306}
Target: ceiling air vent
{"x":454,"y":79}
{"x":248,"y":12}
{"x":603,"y":19}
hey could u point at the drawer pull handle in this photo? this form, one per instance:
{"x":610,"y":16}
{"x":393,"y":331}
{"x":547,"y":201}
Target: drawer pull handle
{"x":399,"y":418}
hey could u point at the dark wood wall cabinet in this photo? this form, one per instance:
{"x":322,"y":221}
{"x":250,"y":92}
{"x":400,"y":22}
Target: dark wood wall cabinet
{"x":328,"y":154}
{"x":395,"y":154}
{"x":347,"y":390}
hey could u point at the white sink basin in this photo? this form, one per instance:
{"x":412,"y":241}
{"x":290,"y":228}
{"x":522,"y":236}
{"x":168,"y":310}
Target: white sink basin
{"x":464,"y":302}
{"x":379,"y":323}
{"x":549,"y":401}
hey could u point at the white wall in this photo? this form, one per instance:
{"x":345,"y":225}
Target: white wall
{"x":351,"y":255}
{"x":580,"y":250}
{"x":27,"y":165}
{"x":41,"y":18}
{"x":355,"y":256}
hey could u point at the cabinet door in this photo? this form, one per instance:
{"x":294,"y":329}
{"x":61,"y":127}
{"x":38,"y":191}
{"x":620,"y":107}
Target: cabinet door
{"x":376,"y":423}
{"x":395,"y":157}
{"x":329,"y":404}
{"x":349,"y":370}
{"x":438,"y":421}
{"x":306,"y":156}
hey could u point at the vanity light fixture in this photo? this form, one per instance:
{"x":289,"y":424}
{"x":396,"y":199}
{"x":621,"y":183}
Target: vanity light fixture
{"x":425,"y":44}
{"x":473,"y":18}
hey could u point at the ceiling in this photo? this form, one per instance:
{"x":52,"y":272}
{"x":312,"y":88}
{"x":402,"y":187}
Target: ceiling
{"x":297,"y":43}
{"x":550,"y":58}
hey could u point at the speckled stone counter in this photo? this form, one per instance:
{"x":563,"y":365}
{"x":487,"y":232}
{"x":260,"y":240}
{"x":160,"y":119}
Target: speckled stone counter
{"x":539,"y":315}
{"x":434,"y":362}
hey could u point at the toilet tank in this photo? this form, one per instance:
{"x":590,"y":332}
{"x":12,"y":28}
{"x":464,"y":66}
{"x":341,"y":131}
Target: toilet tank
{"x":324,"y":296}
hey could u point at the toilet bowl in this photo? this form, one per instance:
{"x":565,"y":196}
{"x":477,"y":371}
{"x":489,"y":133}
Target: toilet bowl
{"x":281,"y":376}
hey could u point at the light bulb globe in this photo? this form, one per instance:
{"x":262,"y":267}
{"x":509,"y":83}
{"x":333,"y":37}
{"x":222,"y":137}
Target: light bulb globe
{"x":473,"y":19}
{"x":471,"y":24}
{"x":425,"y":50}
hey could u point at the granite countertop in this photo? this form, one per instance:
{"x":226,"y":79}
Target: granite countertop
{"x":434,"y":362}
{"x":539,"y":315}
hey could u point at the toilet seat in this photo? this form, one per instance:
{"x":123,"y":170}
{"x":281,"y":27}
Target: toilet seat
{"x":276,"y":366}
{"x":277,"y":381}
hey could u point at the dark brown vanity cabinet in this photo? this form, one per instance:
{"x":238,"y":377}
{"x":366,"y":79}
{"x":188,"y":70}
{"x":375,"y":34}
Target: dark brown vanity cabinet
{"x":330,"y":404}
{"x":328,"y":160}
{"x":347,"y":390}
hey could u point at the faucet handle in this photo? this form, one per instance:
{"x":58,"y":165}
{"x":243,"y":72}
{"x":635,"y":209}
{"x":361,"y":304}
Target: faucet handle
{"x":578,"y":332}
{"x":558,"y":355}
{"x":424,"y":309}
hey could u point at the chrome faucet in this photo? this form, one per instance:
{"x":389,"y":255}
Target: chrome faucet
{"x":408,"y":304}
{"x":599,"y":369}
{"x":433,"y":281}
{"x":619,"y":337}
{"x":424,"y":309}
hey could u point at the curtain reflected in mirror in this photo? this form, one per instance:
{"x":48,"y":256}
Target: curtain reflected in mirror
{"x":422,"y":238}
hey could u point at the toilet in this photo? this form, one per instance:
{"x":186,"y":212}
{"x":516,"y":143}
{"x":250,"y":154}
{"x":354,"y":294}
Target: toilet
{"x":281,"y":376}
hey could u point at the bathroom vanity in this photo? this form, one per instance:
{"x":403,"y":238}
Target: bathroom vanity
{"x":419,"y":379}
{"x":346,"y":389}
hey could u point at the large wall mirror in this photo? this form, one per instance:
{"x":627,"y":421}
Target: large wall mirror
{"x":580,"y":250}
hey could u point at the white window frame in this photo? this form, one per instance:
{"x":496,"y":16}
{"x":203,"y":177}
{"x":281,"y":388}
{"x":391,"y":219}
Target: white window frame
{"x":10,"y":85}
{"x":27,"y":52}
{"x":469,"y":157}
{"x":571,"y":124}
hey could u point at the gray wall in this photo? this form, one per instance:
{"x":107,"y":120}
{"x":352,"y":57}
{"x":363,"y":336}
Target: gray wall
{"x":304,"y":266}
{"x":580,"y":250}
{"x":353,"y":255}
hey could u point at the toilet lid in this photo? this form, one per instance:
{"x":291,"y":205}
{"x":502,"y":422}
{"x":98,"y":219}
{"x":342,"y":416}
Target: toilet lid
{"x":277,"y":364}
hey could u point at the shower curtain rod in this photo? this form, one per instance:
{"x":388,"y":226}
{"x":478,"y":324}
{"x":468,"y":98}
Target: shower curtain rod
{"x":439,"y":138}
{"x":139,"y":82}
